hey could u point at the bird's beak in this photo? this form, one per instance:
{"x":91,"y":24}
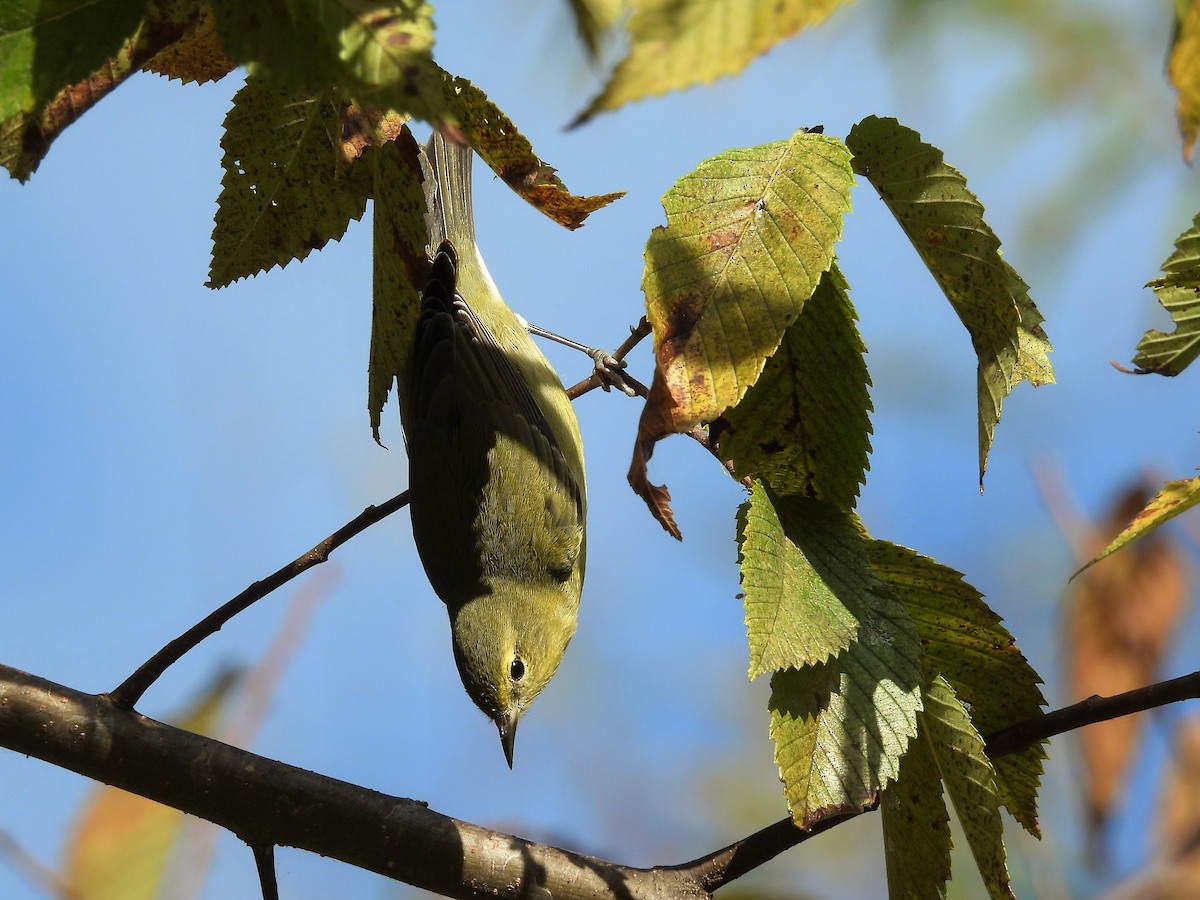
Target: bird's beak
{"x":508,"y":735}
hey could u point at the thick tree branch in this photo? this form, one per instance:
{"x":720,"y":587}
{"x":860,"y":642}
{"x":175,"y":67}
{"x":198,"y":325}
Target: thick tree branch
{"x":271,"y":803}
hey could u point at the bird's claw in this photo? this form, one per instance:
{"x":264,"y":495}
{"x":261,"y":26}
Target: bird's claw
{"x":609,"y":372}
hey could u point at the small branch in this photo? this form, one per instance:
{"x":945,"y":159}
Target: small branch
{"x":636,"y":334}
{"x":1092,"y":710}
{"x":264,"y":861}
{"x":132,"y":688}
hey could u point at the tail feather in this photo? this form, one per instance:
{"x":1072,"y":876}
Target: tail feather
{"x":450,"y":215}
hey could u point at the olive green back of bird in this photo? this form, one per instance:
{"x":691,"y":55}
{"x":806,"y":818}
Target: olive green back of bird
{"x":495,"y":466}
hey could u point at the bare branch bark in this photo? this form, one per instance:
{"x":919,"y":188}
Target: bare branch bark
{"x":270,"y":803}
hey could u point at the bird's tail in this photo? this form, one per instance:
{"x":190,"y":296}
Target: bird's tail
{"x":447,"y":170}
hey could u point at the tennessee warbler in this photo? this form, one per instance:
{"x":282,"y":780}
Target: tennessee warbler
{"x":496,"y":474}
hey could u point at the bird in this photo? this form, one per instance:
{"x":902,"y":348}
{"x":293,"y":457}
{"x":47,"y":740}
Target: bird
{"x":497,"y":485}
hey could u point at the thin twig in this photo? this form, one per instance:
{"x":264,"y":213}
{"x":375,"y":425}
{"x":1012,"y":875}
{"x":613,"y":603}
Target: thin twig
{"x":636,"y":334}
{"x":264,"y":861}
{"x":132,"y":688}
{"x":1092,"y":710}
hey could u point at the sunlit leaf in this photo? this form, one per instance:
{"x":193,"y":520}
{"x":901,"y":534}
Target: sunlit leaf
{"x":966,"y":644}
{"x":793,"y":617}
{"x":944,"y":220}
{"x":1179,"y":293}
{"x":678,"y":43}
{"x":1175,"y":497}
{"x":594,"y":20}
{"x":841,"y":727}
{"x":1119,"y":619}
{"x":749,"y":235}
{"x":804,"y":426}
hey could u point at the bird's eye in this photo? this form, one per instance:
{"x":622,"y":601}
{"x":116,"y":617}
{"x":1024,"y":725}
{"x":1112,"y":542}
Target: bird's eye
{"x":516,"y":669}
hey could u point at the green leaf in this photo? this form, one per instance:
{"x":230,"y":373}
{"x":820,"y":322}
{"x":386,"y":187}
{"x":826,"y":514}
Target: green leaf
{"x":958,"y":751}
{"x":966,"y":644}
{"x":804,"y":427}
{"x":288,"y":187}
{"x":1179,"y":293}
{"x":679,"y":43}
{"x":944,"y":220}
{"x":1174,"y":498}
{"x":793,"y":618}
{"x":46,"y":45}
{"x":749,"y":234}
{"x":400,"y":267}
{"x":57,"y":59}
{"x":841,"y":727}
{"x":916,"y":827}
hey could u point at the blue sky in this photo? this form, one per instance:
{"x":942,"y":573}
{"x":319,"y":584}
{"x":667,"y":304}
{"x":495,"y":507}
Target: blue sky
{"x":168,"y":445}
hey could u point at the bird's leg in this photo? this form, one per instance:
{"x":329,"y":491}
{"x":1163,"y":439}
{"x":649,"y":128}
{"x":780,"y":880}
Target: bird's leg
{"x":608,"y":368}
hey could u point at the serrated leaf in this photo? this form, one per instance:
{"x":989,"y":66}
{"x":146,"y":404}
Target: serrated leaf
{"x":379,"y":53}
{"x":804,"y":427}
{"x":958,"y":750}
{"x":288,"y":188}
{"x":679,"y":43}
{"x":841,"y":727}
{"x":1179,"y":294}
{"x":508,"y":152}
{"x":793,"y":618}
{"x":749,"y":235}
{"x":944,"y":221}
{"x":1183,"y":69}
{"x":1175,"y":497}
{"x":45,"y":80}
{"x":399,"y":266}
{"x":47,"y":45}
{"x":966,"y":644}
{"x":916,"y":827}
{"x":197,"y":56}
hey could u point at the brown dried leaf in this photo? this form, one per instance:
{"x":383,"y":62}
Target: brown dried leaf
{"x":656,"y":422}
{"x":1118,"y":618}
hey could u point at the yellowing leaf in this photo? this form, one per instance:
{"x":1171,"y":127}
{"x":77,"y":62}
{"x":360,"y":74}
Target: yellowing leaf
{"x":593,"y":19}
{"x":958,"y":750}
{"x":965,"y":643}
{"x":793,"y":617}
{"x":1183,"y":68}
{"x":399,"y":266}
{"x":804,"y":426}
{"x":749,"y":235}
{"x":1179,"y":293}
{"x":916,"y":827}
{"x":122,"y":843}
{"x":678,"y":43}
{"x":944,"y":220}
{"x":501,"y":145}
{"x":1175,"y":497}
{"x":288,"y":188}
{"x":841,"y":727}
{"x":197,"y":56}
